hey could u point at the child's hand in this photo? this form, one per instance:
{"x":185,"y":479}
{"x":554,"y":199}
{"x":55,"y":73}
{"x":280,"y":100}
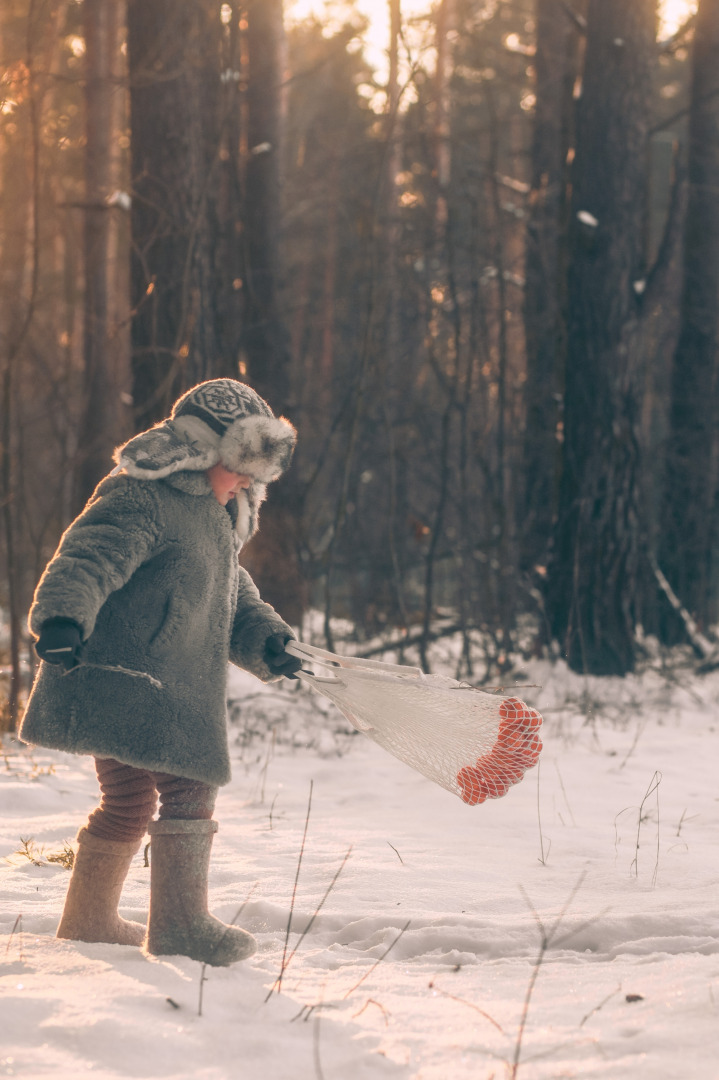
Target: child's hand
{"x":60,"y":642}
{"x":278,"y":661}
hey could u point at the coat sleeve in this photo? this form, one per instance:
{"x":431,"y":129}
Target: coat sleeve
{"x":254,"y":622}
{"x":99,"y":552}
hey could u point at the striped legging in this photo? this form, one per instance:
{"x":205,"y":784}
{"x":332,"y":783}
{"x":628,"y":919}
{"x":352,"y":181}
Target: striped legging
{"x":129,"y":799}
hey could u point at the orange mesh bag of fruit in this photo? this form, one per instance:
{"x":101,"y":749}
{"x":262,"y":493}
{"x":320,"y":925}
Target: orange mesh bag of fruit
{"x":471,"y":742}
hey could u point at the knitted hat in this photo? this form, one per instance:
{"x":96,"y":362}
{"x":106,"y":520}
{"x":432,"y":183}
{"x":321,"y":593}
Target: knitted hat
{"x":221,"y":420}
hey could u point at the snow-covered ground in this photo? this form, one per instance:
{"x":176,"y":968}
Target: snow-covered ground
{"x":455,"y":942}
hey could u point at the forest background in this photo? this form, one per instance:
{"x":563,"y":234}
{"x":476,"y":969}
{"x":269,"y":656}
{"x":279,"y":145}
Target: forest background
{"x":481,"y":277}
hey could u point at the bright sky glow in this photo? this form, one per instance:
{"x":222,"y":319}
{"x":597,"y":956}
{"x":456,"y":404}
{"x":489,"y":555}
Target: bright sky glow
{"x":673,"y":14}
{"x":417,"y":35}
{"x":377,"y":11}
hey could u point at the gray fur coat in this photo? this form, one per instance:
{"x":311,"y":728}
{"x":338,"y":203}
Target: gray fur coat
{"x":149,"y":571}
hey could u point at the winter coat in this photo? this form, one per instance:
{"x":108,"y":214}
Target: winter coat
{"x":149,"y":571}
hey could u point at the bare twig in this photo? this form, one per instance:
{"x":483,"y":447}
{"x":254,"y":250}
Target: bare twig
{"x":378,"y":962}
{"x":704,"y":647}
{"x":547,"y":938}
{"x":543,"y":858}
{"x":564,"y":793}
{"x":601,"y":1005}
{"x":469,"y":1004}
{"x":652,"y":789}
{"x":203,"y":980}
{"x":319,"y":907}
{"x":203,"y":969}
{"x":17,"y":926}
{"x":306,"y":1011}
{"x":265,"y":767}
{"x":371,"y":1001}
{"x":278,"y":982}
{"x":632,"y":748}
{"x":682,"y":819}
{"x":316,"y":1045}
{"x":394,"y":849}
{"x":272,"y":810}
{"x":410,"y":639}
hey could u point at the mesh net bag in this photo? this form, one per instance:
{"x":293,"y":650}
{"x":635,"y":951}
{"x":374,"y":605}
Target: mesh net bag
{"x":472,"y":743}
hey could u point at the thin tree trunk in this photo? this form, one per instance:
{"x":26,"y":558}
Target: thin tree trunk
{"x":329,"y":285}
{"x":395,"y":373}
{"x":21,"y":264}
{"x":230,"y":207}
{"x":442,"y":125}
{"x":556,"y":66}
{"x":689,"y":540}
{"x":98,"y":424}
{"x":273,"y":559}
{"x":265,"y":342}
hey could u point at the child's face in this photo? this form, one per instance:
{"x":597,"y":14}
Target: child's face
{"x":226,"y":484}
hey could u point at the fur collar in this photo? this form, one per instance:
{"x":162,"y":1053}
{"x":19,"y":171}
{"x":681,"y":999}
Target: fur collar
{"x":244,"y":509}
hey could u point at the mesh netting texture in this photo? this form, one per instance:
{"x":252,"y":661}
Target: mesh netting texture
{"x":472,"y":743}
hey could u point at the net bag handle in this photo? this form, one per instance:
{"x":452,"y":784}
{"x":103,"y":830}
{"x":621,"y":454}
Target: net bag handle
{"x":329,"y":659}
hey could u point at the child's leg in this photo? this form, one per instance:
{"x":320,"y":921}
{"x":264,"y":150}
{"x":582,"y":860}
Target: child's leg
{"x":184,"y":798}
{"x":106,"y":848}
{"x":181,"y":841}
{"x":127,"y":803}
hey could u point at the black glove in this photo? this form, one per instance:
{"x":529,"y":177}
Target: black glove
{"x":278,"y":661}
{"x":60,"y":642}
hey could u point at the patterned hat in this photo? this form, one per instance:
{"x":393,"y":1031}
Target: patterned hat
{"x":221,"y":420}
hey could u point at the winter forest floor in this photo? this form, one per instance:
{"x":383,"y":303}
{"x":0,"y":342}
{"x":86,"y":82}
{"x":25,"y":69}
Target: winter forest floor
{"x":586,"y":946}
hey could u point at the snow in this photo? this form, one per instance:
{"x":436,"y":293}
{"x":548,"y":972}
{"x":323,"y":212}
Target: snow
{"x":419,"y":963}
{"x":587,"y":219}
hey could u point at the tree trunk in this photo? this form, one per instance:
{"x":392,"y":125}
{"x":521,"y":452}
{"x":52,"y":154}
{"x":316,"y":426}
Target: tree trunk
{"x":688,"y":545}
{"x":273,"y":559}
{"x":98,"y":426}
{"x":19,"y":278}
{"x":593,"y":572}
{"x":174,"y":61}
{"x":266,"y":342}
{"x":556,"y":66}
{"x":442,"y":120}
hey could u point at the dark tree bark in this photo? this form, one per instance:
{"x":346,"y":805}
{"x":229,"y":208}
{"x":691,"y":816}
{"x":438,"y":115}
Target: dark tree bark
{"x":98,"y":426}
{"x":688,"y":550}
{"x":556,"y":66}
{"x":266,"y":341}
{"x":593,"y":572}
{"x":441,"y":134}
{"x":174,"y":68}
{"x":273,"y":559}
{"x":20,"y":212}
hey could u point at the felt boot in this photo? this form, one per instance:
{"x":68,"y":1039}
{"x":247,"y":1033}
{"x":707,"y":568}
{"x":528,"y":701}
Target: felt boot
{"x":98,"y":874}
{"x":180,"y":923}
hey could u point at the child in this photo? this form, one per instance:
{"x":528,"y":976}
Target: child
{"x":136,"y":616}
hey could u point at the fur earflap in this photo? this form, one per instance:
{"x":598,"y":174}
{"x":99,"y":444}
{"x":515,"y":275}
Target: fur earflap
{"x":259,"y":446}
{"x":173,"y":445}
{"x":248,"y":511}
